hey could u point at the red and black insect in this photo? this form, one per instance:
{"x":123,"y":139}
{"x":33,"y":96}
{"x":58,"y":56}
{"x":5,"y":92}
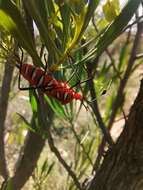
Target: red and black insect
{"x":38,"y":78}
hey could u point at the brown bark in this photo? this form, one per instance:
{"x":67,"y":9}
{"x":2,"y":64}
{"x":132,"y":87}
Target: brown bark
{"x":34,"y":143}
{"x":4,"y":97}
{"x":33,"y":147}
{"x":122,"y":167}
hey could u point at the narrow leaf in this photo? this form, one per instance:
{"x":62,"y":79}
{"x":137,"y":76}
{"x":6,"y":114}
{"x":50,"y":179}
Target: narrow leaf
{"x":116,"y":28}
{"x":12,"y":21}
{"x":36,"y":9}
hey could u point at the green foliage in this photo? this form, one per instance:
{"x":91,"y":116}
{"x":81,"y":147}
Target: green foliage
{"x":111,"y":9}
{"x":8,"y":185}
{"x":33,"y":102}
{"x":12,"y":21}
{"x":41,"y":174}
{"x":56,"y":107}
{"x":39,"y":12}
{"x":113,"y":30}
{"x":61,"y":28}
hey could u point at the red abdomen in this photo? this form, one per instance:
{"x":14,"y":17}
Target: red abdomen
{"x":35,"y":75}
{"x":56,"y":89}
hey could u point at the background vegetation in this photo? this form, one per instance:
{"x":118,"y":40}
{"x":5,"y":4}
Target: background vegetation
{"x":44,"y":145}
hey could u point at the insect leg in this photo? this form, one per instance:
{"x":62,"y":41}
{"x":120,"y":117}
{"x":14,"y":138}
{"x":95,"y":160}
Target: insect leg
{"x":80,"y":82}
{"x":20,"y":68}
{"x":72,"y":76}
{"x":71,"y":60}
{"x":19,"y":78}
{"x":28,"y":88}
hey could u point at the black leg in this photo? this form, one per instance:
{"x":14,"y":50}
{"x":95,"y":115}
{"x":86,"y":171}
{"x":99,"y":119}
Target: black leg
{"x":19,"y":78}
{"x":80,"y":82}
{"x":72,"y":76}
{"x":20,"y":68}
{"x":71,"y":60}
{"x":27,"y":88}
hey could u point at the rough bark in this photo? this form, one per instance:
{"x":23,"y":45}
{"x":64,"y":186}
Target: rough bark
{"x":34,"y":143}
{"x":4,"y":97}
{"x":122,"y":167}
{"x":33,"y":147}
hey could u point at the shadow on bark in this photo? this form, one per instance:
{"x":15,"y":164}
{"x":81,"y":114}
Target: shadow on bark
{"x":122,"y":167}
{"x":4,"y":97}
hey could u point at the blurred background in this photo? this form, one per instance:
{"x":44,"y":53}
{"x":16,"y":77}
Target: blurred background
{"x":100,"y":44}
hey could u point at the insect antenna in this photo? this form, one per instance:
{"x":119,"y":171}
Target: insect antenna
{"x":80,"y":82}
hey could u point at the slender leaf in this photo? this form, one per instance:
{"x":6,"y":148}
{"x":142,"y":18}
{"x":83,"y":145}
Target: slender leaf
{"x":65,"y":15}
{"x":116,"y":28}
{"x":56,"y":107}
{"x":92,"y":5}
{"x":113,"y":30}
{"x":33,"y":102}
{"x":36,"y":9}
{"x":12,"y":21}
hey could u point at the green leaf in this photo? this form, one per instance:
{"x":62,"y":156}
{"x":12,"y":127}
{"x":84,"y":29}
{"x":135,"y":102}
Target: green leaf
{"x":27,"y":124}
{"x":50,"y":168}
{"x":112,"y":31}
{"x":109,"y":105}
{"x":111,"y":9}
{"x":12,"y":21}
{"x":116,"y":28}
{"x":92,"y":5}
{"x":83,"y":19}
{"x":33,"y":102}
{"x":8,"y":185}
{"x":56,"y":106}
{"x":124,"y":52}
{"x":36,"y":10}
{"x":65,"y":15}
{"x":44,"y":166}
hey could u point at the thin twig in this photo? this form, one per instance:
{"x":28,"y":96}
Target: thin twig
{"x":79,"y":142}
{"x":96,"y":111}
{"x":107,"y":51}
{"x":4,"y":97}
{"x":94,"y":104}
{"x":112,"y":63}
{"x":103,"y":142}
{"x":52,"y":146}
{"x":123,"y":82}
{"x":133,"y":23}
{"x":61,"y":160}
{"x":99,"y":156}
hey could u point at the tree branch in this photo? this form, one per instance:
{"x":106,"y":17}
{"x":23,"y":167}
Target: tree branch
{"x":122,"y":167}
{"x":95,"y":108}
{"x":4,"y":97}
{"x":52,"y":145}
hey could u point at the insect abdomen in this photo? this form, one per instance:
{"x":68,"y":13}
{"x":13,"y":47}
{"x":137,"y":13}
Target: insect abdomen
{"x":56,"y":89}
